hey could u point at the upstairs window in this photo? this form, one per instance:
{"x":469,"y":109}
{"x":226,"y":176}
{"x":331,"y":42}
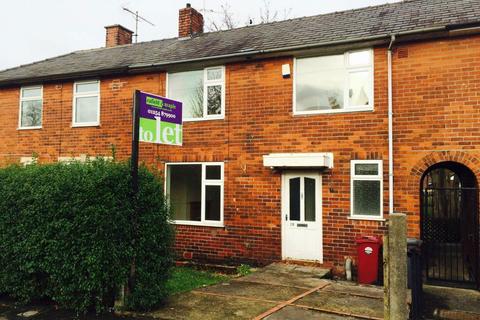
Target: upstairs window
{"x":338,"y":83}
{"x":31,"y":105}
{"x":366,"y":189}
{"x":202,"y":92}
{"x":86,"y":103}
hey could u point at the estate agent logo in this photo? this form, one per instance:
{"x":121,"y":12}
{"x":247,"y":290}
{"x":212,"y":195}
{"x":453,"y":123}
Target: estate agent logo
{"x":160,"y":120}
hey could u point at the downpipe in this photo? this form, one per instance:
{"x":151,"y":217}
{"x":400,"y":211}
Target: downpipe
{"x":390,"y":125}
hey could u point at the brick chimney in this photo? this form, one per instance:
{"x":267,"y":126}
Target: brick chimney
{"x":117,"y":35}
{"x":190,"y":22}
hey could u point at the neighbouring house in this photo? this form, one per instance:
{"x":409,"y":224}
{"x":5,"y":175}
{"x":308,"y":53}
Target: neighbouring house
{"x":299,"y":135}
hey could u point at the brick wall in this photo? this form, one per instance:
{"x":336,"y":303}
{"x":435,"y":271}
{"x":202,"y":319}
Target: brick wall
{"x":436,"y":102}
{"x":437,"y":114}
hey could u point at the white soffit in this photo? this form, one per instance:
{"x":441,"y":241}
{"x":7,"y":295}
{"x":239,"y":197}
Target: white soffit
{"x":299,"y":160}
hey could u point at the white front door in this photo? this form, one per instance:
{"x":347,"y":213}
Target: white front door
{"x":302,"y":216}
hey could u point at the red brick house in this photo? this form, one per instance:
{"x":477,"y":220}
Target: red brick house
{"x":299,"y":136}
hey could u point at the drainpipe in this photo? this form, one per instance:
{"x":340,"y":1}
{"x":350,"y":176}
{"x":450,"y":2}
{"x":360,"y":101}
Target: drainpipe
{"x":390,"y":126}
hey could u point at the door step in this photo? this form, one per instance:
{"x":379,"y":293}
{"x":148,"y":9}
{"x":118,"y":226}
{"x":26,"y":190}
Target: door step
{"x":321,"y":270}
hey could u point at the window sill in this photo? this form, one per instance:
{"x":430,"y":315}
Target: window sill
{"x":29,"y":128}
{"x":82,"y":125}
{"x":366,"y":218}
{"x":199,"y":223}
{"x":204,"y":119}
{"x":338,"y":111}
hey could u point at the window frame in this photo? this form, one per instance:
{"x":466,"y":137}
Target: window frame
{"x":206,"y":83}
{"x":205,"y":183}
{"x":348,"y":70}
{"x":354,"y":177}
{"x":85,"y":95}
{"x":22,"y":99}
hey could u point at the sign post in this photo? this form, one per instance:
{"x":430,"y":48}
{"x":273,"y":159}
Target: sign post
{"x":156,"y":120}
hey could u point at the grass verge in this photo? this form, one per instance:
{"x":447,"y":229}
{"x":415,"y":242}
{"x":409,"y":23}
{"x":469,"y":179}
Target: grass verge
{"x":186,"y":279}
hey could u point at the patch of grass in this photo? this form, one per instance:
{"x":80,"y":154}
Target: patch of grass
{"x":186,"y":279}
{"x":244,"y":269}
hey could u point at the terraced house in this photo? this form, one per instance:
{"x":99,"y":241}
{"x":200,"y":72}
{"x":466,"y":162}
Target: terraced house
{"x":298,"y":136}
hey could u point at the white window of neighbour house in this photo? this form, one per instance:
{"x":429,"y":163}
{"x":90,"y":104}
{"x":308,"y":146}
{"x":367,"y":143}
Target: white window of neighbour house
{"x":335,"y":83}
{"x":31,"y":107}
{"x":366,"y":189}
{"x":202,"y":93}
{"x":86,"y":103}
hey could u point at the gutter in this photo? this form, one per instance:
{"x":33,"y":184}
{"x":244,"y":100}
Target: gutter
{"x":390,"y":124}
{"x":290,"y":48}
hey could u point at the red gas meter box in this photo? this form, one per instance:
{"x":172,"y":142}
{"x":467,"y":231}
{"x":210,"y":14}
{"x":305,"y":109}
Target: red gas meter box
{"x":368,"y":253}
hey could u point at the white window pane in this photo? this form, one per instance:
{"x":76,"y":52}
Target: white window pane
{"x":359,"y":58}
{"x":86,"y":87}
{"x":187,"y":87}
{"x":310,"y":200}
{"x":31,"y":114}
{"x":86,"y":109}
{"x":366,"y":169}
{"x":358,"y":92}
{"x":213,"y":173}
{"x":294,"y":185}
{"x":31,"y":92}
{"x":212,"y":203}
{"x":214,"y":74}
{"x":366,"y":197}
{"x":214,"y":98}
{"x":184,"y":190}
{"x":320,"y":83}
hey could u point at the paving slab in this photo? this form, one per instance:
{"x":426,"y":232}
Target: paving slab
{"x":451,"y":303}
{"x":289,"y":275}
{"x":254,"y":290}
{"x":355,"y":289}
{"x":295,"y":313}
{"x":344,"y":303}
{"x":193,"y":305}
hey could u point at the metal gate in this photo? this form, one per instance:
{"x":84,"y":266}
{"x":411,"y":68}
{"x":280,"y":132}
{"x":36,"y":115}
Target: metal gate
{"x":449,"y":229}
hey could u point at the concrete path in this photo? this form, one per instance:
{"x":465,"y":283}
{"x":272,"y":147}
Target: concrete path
{"x":451,"y":303}
{"x":279,"y":291}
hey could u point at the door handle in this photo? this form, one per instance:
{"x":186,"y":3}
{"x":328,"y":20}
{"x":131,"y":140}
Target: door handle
{"x":286,"y":217}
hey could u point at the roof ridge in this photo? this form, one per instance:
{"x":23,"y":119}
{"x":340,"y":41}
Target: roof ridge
{"x":313,"y":16}
{"x":206,"y":33}
{"x":38,"y":61}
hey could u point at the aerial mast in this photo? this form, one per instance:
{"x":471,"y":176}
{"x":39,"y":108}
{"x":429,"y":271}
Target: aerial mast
{"x":137,"y":19}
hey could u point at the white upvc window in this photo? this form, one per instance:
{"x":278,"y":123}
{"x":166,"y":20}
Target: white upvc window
{"x":335,"y":83}
{"x":195,"y":192}
{"x":31,"y":108}
{"x":86,"y":103}
{"x":366,"y":189}
{"x":202,"y":93}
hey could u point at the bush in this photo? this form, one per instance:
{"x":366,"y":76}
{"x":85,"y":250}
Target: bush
{"x":66,"y":234}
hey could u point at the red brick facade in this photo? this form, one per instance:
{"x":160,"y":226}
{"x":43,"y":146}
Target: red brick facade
{"x":436,"y":118}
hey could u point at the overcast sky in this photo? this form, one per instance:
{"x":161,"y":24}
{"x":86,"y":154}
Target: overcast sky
{"x":33,"y":30}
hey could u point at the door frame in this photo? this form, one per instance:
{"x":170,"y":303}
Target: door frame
{"x":285,"y":199}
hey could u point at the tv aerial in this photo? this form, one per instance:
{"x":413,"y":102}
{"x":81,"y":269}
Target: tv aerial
{"x":138,"y":18}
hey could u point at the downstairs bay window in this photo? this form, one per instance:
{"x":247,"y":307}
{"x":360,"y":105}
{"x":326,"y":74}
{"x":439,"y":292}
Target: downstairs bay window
{"x":336,"y":83}
{"x":366,"y":189}
{"x":195,"y":193}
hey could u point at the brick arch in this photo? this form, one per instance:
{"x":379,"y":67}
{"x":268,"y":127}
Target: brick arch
{"x":432,"y":158}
